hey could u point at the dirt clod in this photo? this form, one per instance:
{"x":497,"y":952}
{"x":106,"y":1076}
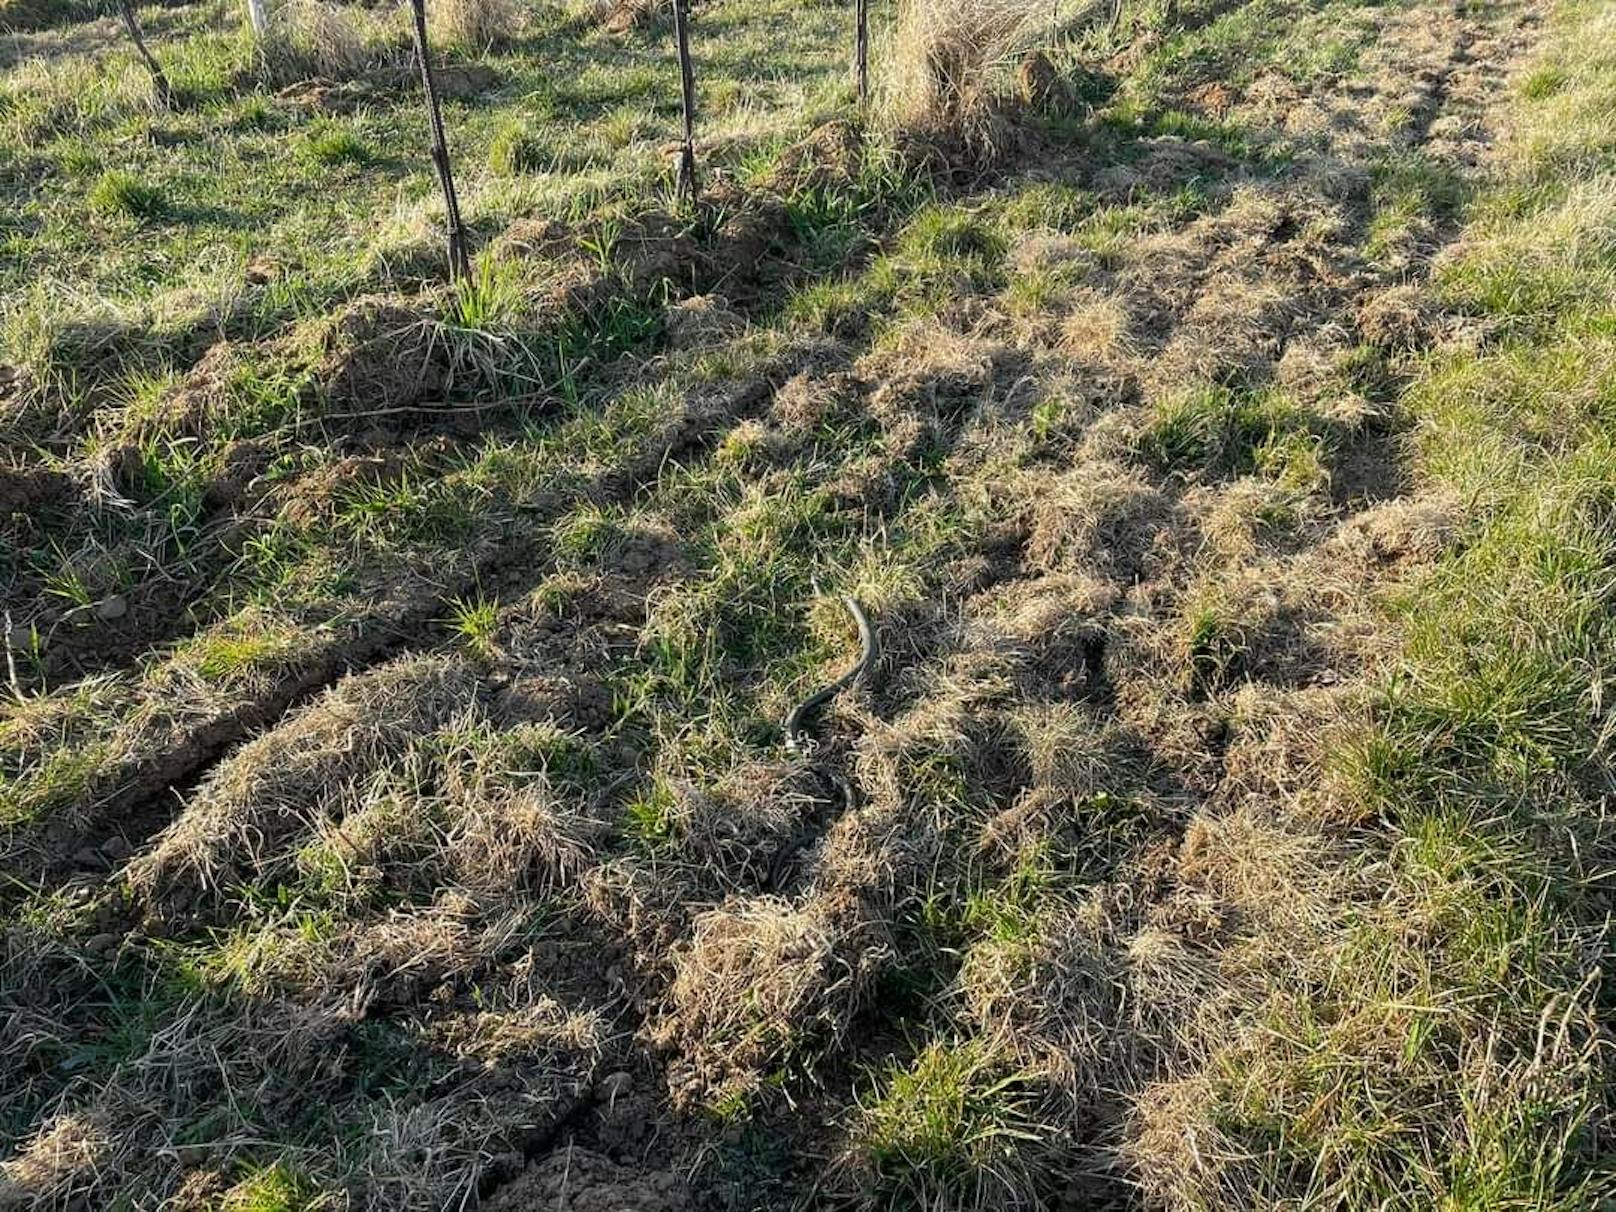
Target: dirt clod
{"x":577,"y":1180}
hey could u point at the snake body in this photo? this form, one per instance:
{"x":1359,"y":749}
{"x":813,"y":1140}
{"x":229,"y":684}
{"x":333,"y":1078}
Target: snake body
{"x":798,"y":742}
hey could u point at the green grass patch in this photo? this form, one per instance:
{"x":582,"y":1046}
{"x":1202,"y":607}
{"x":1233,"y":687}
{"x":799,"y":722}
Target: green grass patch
{"x":951,"y":1128}
{"x":117,"y":192}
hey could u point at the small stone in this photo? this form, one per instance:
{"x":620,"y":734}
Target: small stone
{"x":100,"y":944}
{"x":116,"y":848}
{"x":111,"y":608}
{"x":615,"y":1086}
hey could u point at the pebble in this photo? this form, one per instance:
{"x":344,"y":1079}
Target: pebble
{"x":615,"y":1086}
{"x":116,"y":848}
{"x":100,"y":944}
{"x":111,"y":608}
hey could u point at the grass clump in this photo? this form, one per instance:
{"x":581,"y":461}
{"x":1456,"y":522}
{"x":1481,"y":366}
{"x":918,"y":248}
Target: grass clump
{"x":332,"y":143}
{"x":950,"y":63}
{"x":318,"y":39}
{"x":119,"y":192}
{"x":274,"y":1188}
{"x":1222,"y":430}
{"x":473,"y":26}
{"x":515,"y":150}
{"x":476,"y":622}
{"x":953,"y":1128}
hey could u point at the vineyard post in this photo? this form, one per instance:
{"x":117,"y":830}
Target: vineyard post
{"x":688,"y":186}
{"x":861,"y":52}
{"x":159,"y":80}
{"x":459,"y":264}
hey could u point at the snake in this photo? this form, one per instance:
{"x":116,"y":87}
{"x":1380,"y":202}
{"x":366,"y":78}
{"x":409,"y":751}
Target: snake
{"x":798,"y":742}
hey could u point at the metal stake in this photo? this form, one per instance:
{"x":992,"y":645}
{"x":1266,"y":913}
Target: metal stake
{"x":159,"y":80}
{"x":688,"y":185}
{"x":861,"y":52}
{"x":459,"y":263}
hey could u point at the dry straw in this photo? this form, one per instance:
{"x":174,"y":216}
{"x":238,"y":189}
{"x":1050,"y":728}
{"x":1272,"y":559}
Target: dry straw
{"x":949,"y":62}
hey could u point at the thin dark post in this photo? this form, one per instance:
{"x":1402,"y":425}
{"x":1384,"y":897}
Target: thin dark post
{"x":688,"y":186}
{"x":159,"y":80}
{"x":459,"y":263}
{"x":861,"y":52}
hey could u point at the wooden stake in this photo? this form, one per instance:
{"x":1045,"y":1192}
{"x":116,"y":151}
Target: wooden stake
{"x":861,"y":52}
{"x":459,"y":262}
{"x":688,"y":185}
{"x":159,"y":81}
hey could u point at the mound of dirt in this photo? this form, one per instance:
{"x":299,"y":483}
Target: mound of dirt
{"x":624,"y":16}
{"x":577,"y":1180}
{"x":382,"y":352}
{"x":702,"y":322}
{"x":462,"y":81}
{"x":24,"y":489}
{"x":204,"y":396}
{"x":830,"y":154}
{"x":319,"y":96}
{"x":311,"y":496}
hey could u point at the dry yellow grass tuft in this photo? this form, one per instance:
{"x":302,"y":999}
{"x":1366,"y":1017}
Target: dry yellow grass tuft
{"x":1054,"y":998}
{"x":1103,"y":515}
{"x":286,"y":782}
{"x":320,"y":39}
{"x":757,"y":980}
{"x":473,"y":25}
{"x":49,"y":1169}
{"x":951,"y":62}
{"x":1098,"y":328}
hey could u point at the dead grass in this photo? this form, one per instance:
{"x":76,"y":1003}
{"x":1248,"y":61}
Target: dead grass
{"x":1104,"y":513}
{"x":326,"y":40}
{"x":951,"y":64}
{"x":474,"y":26}
{"x":759,"y":983}
{"x":1054,"y":995}
{"x":282,"y":784}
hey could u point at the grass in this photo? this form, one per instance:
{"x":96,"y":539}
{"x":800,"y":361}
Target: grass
{"x":1479,"y":771}
{"x":948,"y":1128}
{"x":476,"y":623}
{"x":331,"y":144}
{"x":1224,"y":430}
{"x":1225,"y":824}
{"x":123,"y":193}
